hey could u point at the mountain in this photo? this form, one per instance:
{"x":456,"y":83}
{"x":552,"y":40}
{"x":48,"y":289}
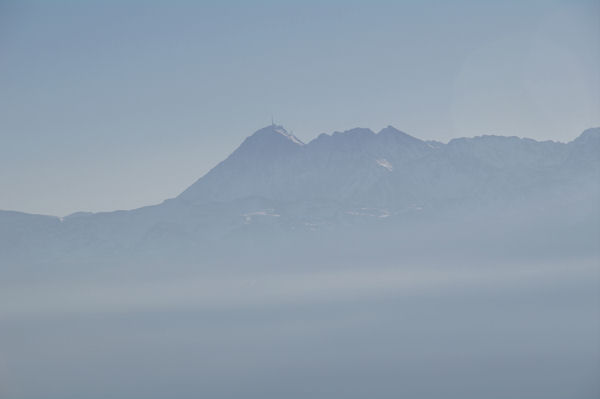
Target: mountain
{"x":275,"y":165}
{"x":357,"y":185}
{"x":388,"y":169}
{"x":257,"y":167}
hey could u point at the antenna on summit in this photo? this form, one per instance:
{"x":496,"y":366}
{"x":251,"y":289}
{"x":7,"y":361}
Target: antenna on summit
{"x":272,"y":121}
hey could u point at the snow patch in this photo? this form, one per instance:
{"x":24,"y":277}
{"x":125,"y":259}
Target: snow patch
{"x":265,"y":212}
{"x":371,"y":212}
{"x":290,"y":136}
{"x":384,"y":163}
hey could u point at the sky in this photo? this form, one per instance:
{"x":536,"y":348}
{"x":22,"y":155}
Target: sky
{"x":109,"y":105}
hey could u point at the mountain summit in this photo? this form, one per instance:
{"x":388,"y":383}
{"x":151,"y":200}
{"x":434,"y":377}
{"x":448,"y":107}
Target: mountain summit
{"x":271,"y":138}
{"x":263,"y":155}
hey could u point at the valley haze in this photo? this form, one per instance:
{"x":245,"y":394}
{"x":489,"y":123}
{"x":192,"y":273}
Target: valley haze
{"x":359,"y":264}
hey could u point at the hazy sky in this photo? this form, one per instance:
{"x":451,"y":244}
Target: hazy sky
{"x":114,"y":105}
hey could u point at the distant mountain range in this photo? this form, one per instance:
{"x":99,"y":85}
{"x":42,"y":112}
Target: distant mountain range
{"x":386,"y":183}
{"x":391,"y":169}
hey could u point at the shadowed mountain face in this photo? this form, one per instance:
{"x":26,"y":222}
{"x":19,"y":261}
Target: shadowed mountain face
{"x":374,"y":186}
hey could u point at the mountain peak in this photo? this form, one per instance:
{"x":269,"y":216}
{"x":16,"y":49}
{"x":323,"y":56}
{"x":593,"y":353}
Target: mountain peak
{"x":391,"y":131}
{"x":270,"y":142}
{"x":274,"y":132}
{"x":356,"y":133}
{"x":590,"y":135}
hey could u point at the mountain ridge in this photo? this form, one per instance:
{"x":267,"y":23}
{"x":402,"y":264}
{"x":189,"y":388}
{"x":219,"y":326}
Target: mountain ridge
{"x":590,"y":136}
{"x":356,"y":184}
{"x":342,"y":164}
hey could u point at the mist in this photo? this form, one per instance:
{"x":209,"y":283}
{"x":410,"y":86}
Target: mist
{"x":420,"y":218}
